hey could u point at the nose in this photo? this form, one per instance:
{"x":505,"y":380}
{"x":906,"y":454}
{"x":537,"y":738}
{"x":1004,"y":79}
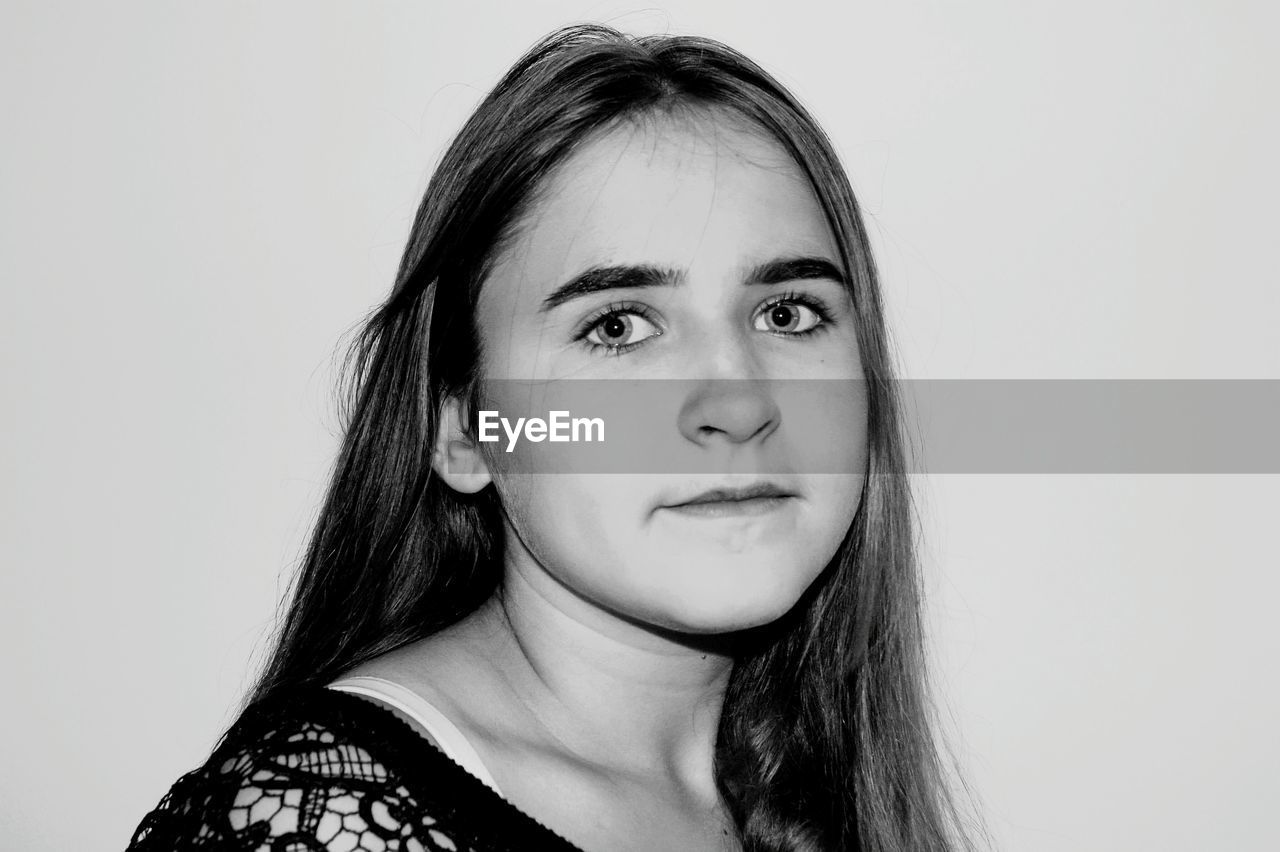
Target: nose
{"x":736,"y":411}
{"x":732,"y":401}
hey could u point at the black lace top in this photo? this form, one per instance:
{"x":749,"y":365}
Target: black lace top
{"x":316,"y":770}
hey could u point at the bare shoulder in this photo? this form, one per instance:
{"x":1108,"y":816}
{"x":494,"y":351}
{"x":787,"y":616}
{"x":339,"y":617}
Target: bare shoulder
{"x":404,"y":717}
{"x":450,"y":670}
{"x":436,"y":668}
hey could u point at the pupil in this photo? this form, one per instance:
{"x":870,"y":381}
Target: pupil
{"x":782,"y":315}
{"x":614,"y":327}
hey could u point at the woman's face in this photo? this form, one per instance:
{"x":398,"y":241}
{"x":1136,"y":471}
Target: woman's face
{"x":683,"y":275}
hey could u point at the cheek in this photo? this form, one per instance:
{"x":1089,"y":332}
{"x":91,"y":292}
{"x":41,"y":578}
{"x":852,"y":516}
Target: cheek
{"x":567,"y":521}
{"x":825,"y":425}
{"x":836,"y":498}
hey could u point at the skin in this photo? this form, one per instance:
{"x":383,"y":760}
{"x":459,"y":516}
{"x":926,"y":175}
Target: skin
{"x":592,"y":686}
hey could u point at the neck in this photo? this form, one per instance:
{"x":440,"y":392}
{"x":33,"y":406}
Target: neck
{"x":619,"y":694}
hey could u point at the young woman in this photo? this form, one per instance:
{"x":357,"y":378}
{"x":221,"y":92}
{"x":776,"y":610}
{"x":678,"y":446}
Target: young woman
{"x":500,"y":646}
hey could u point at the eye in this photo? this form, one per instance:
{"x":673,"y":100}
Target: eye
{"x":790,"y":314}
{"x":619,"y":329}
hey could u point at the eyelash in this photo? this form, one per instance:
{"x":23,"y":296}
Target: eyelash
{"x":813,"y":303}
{"x":818,"y":306}
{"x":591,"y":322}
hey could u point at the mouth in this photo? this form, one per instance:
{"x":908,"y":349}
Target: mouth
{"x":757,"y":499}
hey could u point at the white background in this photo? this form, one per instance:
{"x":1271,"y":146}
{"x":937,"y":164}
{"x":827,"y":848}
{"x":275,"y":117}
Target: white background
{"x":199,"y":200}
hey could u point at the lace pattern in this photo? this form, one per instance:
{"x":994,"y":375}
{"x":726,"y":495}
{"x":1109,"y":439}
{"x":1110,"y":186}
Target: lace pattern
{"x":321,"y":771}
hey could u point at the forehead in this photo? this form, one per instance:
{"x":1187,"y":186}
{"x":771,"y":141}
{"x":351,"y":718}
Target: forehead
{"x":700,"y":193}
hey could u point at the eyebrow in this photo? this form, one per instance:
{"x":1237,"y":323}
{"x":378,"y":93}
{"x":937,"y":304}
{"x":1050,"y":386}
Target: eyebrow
{"x":601,"y":278}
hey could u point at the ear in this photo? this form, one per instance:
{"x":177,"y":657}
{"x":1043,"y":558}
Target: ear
{"x":457,"y":458}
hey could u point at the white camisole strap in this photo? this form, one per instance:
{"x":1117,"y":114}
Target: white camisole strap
{"x":447,"y":736}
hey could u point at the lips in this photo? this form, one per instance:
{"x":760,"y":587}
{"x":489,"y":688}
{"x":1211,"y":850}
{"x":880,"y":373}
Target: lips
{"x":759,"y":491}
{"x":759,"y":499}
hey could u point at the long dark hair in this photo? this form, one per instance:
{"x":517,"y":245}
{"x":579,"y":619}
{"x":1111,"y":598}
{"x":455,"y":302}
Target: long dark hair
{"x":825,"y":738}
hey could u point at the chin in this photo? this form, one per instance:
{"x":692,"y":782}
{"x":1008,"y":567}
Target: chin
{"x":730,"y":607}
